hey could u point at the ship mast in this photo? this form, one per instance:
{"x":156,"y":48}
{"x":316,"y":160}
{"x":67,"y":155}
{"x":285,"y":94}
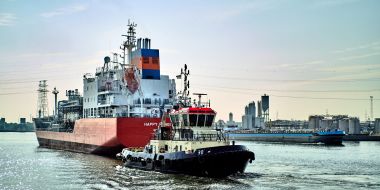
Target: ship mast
{"x":130,"y":43}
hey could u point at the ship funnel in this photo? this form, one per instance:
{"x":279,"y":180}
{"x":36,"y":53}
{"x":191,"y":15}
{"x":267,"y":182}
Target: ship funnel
{"x":146,"y":43}
{"x":139,"y":43}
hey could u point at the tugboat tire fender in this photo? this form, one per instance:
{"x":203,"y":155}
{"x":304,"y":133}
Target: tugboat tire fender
{"x":201,"y":159}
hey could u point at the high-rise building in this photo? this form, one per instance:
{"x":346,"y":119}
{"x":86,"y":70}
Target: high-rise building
{"x":248,"y":118}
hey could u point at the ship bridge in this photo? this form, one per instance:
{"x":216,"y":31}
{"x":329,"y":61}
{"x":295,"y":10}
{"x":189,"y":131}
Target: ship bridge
{"x":194,"y":123}
{"x":193,"y":117}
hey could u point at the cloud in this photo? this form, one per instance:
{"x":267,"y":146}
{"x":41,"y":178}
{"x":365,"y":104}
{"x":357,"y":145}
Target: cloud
{"x":353,"y":68}
{"x":333,"y":3}
{"x":64,"y":11}
{"x":348,"y":58}
{"x":299,"y":66}
{"x":372,"y":45}
{"x":254,"y":6}
{"x":7,"y":19}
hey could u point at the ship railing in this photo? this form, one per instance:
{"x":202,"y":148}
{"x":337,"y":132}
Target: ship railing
{"x":202,"y":137}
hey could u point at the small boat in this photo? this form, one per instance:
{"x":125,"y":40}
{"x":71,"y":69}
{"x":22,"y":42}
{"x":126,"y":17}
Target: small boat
{"x":191,"y":145}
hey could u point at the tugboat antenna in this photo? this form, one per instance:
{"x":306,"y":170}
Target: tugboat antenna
{"x":185,"y":93}
{"x":199,"y":98}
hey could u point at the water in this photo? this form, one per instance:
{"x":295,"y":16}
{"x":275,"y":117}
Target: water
{"x":23,"y":165}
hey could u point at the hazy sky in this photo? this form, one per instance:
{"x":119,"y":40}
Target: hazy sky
{"x":309,"y":56}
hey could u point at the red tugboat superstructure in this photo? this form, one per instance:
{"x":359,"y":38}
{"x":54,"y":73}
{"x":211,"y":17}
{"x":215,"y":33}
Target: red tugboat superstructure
{"x":121,"y":105}
{"x":192,"y":145}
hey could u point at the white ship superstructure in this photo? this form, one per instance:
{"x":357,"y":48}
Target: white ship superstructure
{"x":135,"y":89}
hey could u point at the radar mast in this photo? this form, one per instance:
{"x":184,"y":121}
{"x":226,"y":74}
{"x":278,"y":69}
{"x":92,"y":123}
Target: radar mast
{"x":130,"y":42}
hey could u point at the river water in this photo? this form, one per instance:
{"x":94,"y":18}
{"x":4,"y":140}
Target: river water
{"x":356,"y":165}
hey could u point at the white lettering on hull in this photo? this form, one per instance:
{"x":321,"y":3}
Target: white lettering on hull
{"x":150,"y":124}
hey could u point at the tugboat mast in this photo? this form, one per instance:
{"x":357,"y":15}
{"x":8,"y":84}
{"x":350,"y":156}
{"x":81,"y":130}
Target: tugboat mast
{"x":199,"y":98}
{"x":185,"y":93}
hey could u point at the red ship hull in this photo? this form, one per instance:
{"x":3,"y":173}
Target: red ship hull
{"x":102,"y":136}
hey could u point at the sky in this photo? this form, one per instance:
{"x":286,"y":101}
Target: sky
{"x":310,"y":57}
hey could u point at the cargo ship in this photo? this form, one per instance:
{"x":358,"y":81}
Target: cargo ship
{"x":121,"y":105}
{"x":191,"y":146}
{"x":333,"y":137}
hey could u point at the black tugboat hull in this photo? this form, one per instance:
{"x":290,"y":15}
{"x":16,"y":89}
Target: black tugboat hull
{"x":215,"y":162}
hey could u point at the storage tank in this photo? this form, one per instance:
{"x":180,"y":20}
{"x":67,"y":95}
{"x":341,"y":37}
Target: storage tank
{"x":315,"y":121}
{"x":343,"y":125}
{"x":353,"y":126}
{"x":324,"y":124}
{"x":265,"y":102}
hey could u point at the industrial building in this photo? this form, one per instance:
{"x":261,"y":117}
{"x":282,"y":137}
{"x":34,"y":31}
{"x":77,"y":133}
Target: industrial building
{"x":351,"y":125}
{"x":22,"y":126}
{"x":250,"y":120}
{"x":377,"y":126}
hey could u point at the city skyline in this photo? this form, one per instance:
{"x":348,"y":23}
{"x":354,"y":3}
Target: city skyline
{"x":308,"y":56}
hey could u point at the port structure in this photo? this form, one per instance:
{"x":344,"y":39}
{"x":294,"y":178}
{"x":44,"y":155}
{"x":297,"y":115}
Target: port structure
{"x":42,"y":104}
{"x":55,"y":92}
{"x":371,"y":104}
{"x":265,"y":107}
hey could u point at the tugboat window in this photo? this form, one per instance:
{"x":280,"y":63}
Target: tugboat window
{"x":201,"y":120}
{"x":193,"y":119}
{"x":209,"y":120}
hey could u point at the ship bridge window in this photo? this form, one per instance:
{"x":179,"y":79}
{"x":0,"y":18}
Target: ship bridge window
{"x":185,"y":118}
{"x":193,"y":119}
{"x":201,"y":120}
{"x":209,"y":120}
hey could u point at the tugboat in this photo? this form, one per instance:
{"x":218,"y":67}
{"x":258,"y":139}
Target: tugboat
{"x":191,"y":145}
